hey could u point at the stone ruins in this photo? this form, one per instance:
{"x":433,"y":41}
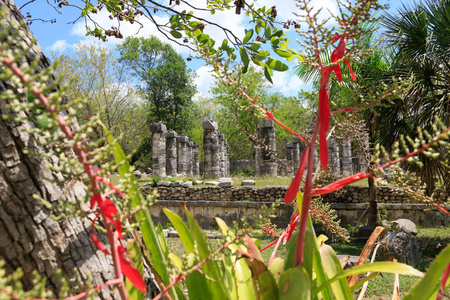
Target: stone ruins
{"x":176,"y":155}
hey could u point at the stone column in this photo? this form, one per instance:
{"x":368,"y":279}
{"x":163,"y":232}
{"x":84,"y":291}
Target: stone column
{"x":171,"y":145}
{"x":227,"y":158}
{"x":289,"y":159}
{"x":268,"y":163}
{"x":295,"y":152}
{"x":211,"y":149}
{"x":182,"y":141}
{"x":195,"y":162}
{"x":158,"y":149}
{"x":347,"y":166}
{"x":221,"y":154}
{"x":190,"y":158}
{"x":333,"y":157}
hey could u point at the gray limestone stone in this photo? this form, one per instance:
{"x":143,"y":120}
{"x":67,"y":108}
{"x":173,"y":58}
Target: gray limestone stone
{"x":226,"y":183}
{"x":406,"y":226}
{"x":187,"y":184}
{"x":209,"y":124}
{"x":171,"y":155}
{"x":248,"y":182}
{"x":266,"y":149}
{"x":400,"y":246}
{"x":212,"y":182}
{"x":158,"y":127}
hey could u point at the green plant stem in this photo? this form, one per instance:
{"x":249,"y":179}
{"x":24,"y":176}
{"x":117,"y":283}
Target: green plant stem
{"x":298,"y":260}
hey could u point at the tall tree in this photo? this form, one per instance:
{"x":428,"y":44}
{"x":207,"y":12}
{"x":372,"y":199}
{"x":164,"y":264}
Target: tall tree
{"x":94,"y":74}
{"x":419,"y":35}
{"x":30,"y":238}
{"x":237,"y":120}
{"x":166,"y":84}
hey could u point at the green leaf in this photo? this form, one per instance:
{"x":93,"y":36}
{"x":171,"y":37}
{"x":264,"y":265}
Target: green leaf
{"x":213,"y":11}
{"x":244,"y":56}
{"x":210,"y":268}
{"x":267,"y":32}
{"x":43,"y":121}
{"x":134,"y":253}
{"x":424,"y":288}
{"x":277,"y":65}
{"x":385,"y":267}
{"x":277,"y":33}
{"x":268,"y":73}
{"x":277,"y":267}
{"x":224,"y":44}
{"x":203,"y":38}
{"x":176,"y":34}
{"x":257,"y":29}
{"x":333,"y":268}
{"x":284,"y":53}
{"x":182,"y":229}
{"x":248,"y":36}
{"x":268,"y":289}
{"x":318,"y":267}
{"x":294,"y":284}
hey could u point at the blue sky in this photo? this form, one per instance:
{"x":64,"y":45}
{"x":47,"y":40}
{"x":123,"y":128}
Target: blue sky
{"x":63,"y":34}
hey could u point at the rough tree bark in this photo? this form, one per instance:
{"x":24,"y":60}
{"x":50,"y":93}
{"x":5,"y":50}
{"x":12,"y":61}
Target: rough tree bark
{"x":29,"y":237}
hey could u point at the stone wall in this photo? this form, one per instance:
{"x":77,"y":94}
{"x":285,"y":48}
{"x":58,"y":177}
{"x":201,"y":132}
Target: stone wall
{"x":234,"y":202}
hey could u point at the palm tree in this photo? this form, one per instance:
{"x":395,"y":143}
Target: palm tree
{"x":419,"y":37}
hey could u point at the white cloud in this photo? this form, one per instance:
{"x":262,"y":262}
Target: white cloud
{"x":203,"y":81}
{"x":59,"y":45}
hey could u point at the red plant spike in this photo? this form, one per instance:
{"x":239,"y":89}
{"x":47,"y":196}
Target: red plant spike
{"x":130,"y":271}
{"x":295,"y":185}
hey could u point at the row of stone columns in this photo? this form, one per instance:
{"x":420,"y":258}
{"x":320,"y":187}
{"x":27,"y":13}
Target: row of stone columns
{"x":345,"y":165}
{"x":173,"y":154}
{"x":215,"y":151}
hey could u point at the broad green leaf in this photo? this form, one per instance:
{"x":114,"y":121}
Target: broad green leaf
{"x":135,"y":255}
{"x":276,"y":267}
{"x":277,"y":33}
{"x":294,"y":284}
{"x":176,"y":261}
{"x":258,"y":62}
{"x":248,"y":36}
{"x":244,"y":56}
{"x":268,"y":289}
{"x":254,"y":46}
{"x":318,"y":267}
{"x":203,"y":38}
{"x":308,"y":251}
{"x":424,"y":288}
{"x":333,"y":268}
{"x":277,"y":65}
{"x":385,"y":267}
{"x":176,"y":34}
{"x":241,"y":273}
{"x":182,"y":229}
{"x":290,"y":252}
{"x":257,"y":29}
{"x":267,"y":32}
{"x":283,"y":53}
{"x":268,"y":73}
{"x":210,"y":268}
{"x":162,"y":239}
{"x":224,"y":44}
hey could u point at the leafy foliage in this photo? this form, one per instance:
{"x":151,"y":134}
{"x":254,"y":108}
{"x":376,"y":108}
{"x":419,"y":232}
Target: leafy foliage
{"x":94,"y":75}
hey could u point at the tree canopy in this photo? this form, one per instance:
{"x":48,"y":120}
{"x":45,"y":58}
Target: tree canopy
{"x":163,"y":79}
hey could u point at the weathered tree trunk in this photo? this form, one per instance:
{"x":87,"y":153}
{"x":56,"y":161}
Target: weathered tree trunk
{"x":374,"y":218}
{"x":29,"y":238}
